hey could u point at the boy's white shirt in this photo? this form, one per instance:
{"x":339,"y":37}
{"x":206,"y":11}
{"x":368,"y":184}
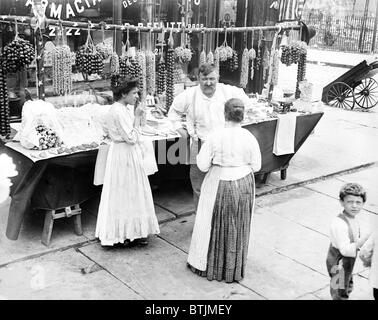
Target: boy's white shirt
{"x":339,"y":236}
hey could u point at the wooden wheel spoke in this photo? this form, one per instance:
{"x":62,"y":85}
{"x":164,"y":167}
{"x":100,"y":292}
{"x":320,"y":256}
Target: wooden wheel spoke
{"x":334,"y":103}
{"x":359,"y":101}
{"x":371,"y":100}
{"x":341,"y":95}
{"x":333,"y":91}
{"x":349,"y":104}
{"x":371,"y":84}
{"x":366,"y":93}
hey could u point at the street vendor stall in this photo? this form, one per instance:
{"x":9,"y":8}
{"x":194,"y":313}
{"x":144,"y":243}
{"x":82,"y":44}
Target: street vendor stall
{"x":71,"y":176}
{"x":59,"y":137}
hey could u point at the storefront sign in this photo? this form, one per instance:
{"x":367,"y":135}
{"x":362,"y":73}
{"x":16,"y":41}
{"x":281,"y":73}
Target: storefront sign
{"x":128,"y":3}
{"x":71,"y":10}
{"x":168,"y":25}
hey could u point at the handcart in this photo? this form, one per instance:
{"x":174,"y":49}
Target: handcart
{"x":356,"y":86}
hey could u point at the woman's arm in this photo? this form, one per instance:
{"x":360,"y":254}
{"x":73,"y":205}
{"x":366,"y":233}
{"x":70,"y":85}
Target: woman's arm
{"x":256,"y":154}
{"x":205,"y":156}
{"x":127,"y":128}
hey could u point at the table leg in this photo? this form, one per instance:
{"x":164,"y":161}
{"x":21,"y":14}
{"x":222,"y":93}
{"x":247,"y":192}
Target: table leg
{"x":265,"y":177}
{"x":47,"y":228}
{"x":77,"y":225}
{"x":283,"y":174}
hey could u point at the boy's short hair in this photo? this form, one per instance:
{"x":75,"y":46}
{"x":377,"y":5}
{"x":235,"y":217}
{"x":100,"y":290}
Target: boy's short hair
{"x":353,"y":189}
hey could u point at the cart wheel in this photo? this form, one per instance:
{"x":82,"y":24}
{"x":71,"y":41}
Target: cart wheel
{"x":366,"y":92}
{"x":340,"y":95}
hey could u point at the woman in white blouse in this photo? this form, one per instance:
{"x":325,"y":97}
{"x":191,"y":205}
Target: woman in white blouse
{"x":230,"y":156}
{"x":126,"y":211}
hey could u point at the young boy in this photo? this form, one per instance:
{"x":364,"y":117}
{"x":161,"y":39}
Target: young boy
{"x":345,"y":241}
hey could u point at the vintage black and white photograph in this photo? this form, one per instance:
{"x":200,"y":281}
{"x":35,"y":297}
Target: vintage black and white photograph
{"x":189,"y":150}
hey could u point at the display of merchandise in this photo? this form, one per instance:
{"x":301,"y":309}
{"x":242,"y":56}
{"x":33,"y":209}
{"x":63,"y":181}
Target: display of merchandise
{"x":266,"y":64}
{"x":47,"y":138}
{"x":301,"y":73}
{"x":88,"y":59}
{"x":183,"y":54}
{"x":291,"y":53}
{"x":252,"y":57}
{"x":104,"y":49}
{"x":4,"y":104}
{"x":210,"y":58}
{"x":202,"y":58}
{"x":217,"y":60}
{"x":128,"y":67}
{"x":295,"y":51}
{"x":161,"y":75}
{"x":142,"y":75}
{"x":225,"y":51}
{"x":17,"y":55}
{"x":178,"y":74}
{"x":259,"y":46}
{"x":114,"y":64}
{"x":150,"y":72}
{"x":61,"y":70}
{"x":170,"y":69}
{"x":275,"y":67}
{"x":244,"y":69}
{"x":233,"y":63}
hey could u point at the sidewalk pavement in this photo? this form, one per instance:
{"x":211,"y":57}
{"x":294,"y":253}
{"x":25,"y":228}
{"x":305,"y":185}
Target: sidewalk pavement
{"x":336,"y":58}
{"x":288,"y":243}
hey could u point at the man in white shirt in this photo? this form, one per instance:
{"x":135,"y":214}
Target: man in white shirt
{"x":203,"y":106}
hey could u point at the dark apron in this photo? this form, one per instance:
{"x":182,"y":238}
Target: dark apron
{"x":340,"y":269}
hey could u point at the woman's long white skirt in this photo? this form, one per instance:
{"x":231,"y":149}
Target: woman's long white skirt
{"x":126,"y":208}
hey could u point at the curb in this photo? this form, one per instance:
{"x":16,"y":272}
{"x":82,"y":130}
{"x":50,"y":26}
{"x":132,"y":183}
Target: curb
{"x":331,"y":64}
{"x":316,"y":179}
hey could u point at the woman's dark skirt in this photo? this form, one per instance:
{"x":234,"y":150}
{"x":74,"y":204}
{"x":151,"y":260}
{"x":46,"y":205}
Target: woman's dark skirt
{"x":230,"y":230}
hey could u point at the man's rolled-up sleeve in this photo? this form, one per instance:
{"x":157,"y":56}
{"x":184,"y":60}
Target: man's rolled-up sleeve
{"x":178,"y":108}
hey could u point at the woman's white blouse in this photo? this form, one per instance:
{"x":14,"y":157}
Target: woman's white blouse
{"x":235,"y":149}
{"x":120,"y":123}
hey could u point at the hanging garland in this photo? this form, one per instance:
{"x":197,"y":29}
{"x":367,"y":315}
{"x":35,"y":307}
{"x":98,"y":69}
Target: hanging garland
{"x":161,"y":68}
{"x":88,"y":59}
{"x":18,"y":54}
{"x":183,"y":54}
{"x":104,"y":49}
{"x":161,"y":75}
{"x":128,"y":65}
{"x":244,"y":69}
{"x":259,"y":45}
{"x":225,"y":51}
{"x":266,"y":64}
{"x":252,"y":57}
{"x":274,"y":62}
{"x":4,"y":103}
{"x":301,"y":73}
{"x":61,"y":66}
{"x":275,"y":67}
{"x":232,"y":64}
{"x":170,"y":68}
{"x":114,"y":64}
{"x":216,"y":55}
{"x":202,"y":58}
{"x":150,"y":71}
